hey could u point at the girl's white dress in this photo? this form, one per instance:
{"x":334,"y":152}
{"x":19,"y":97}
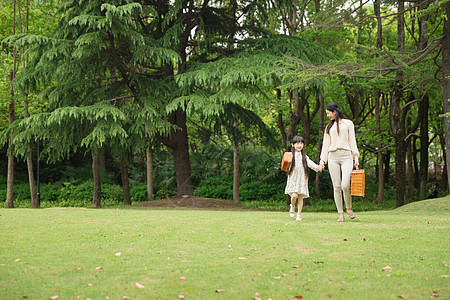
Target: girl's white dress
{"x":297,"y":181}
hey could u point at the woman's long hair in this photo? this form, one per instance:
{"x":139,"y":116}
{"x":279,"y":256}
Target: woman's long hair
{"x":297,"y":139}
{"x":339,"y":115}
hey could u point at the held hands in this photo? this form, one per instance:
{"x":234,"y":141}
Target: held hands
{"x":321,"y":167}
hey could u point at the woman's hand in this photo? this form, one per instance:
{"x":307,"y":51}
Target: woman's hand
{"x":321,"y":167}
{"x":356,"y":165}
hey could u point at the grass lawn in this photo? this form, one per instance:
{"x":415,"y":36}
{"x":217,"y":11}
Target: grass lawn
{"x":76,"y":253}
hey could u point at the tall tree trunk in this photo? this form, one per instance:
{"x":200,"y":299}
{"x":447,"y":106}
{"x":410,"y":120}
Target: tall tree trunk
{"x":380,"y":193}
{"x":377,"y":96}
{"x":181,"y":155}
{"x":409,"y":165}
{"x":281,"y":124}
{"x":34,"y":202}
{"x":295,"y":116}
{"x":319,"y":142}
{"x":423,"y":113}
{"x":96,"y":199}
{"x":446,"y":84}
{"x":236,"y":174}
{"x":423,"y":170}
{"x":387,"y":163}
{"x":10,"y":178}
{"x":443,"y":183}
{"x":125,"y":181}
{"x":395,"y":115}
{"x":306,"y":116}
{"x":11,"y":118}
{"x":149,"y":164}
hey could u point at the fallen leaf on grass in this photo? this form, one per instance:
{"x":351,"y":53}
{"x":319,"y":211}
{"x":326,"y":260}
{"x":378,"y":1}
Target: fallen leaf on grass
{"x":99,"y":268}
{"x":388,"y":275}
{"x":345,"y":240}
{"x":118,"y":254}
{"x":295,"y":266}
{"x":318,"y":262}
{"x":242,"y":258}
{"x":387,"y":268}
{"x":298,"y":297}
{"x":220,"y":291}
{"x":17,"y":260}
{"x":445,"y":276}
{"x":229,"y":246}
{"x":401,"y":296}
{"x":277,"y":277}
{"x":139,"y":286}
{"x":53,"y":297}
{"x":182,"y":278}
{"x":426,"y":278}
{"x":90,"y":284}
{"x":180,"y":297}
{"x":434,"y":294}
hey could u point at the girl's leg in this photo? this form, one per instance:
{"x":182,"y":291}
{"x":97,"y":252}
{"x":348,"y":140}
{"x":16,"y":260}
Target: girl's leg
{"x":300,"y":204}
{"x":294,"y":197}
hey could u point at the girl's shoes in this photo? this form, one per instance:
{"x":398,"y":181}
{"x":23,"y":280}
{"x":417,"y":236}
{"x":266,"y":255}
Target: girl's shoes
{"x":299,"y":217}
{"x":340,"y":219}
{"x":292,"y":214}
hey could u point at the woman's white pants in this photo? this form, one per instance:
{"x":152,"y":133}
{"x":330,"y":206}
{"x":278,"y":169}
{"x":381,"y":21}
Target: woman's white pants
{"x":340,"y":165}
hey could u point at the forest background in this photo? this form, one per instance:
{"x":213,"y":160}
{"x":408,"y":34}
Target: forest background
{"x":127,"y":101}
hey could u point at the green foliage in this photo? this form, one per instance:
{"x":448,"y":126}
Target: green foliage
{"x":138,"y":193}
{"x":219,"y":187}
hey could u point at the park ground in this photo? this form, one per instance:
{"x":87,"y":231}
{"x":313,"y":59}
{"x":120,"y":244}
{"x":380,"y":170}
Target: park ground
{"x":199,"y":248}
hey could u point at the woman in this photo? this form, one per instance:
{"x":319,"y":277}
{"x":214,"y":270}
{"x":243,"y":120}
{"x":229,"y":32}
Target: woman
{"x":340,"y":151}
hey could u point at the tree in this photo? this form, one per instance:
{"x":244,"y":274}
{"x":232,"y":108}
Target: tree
{"x":98,"y":53}
{"x":446,"y":83}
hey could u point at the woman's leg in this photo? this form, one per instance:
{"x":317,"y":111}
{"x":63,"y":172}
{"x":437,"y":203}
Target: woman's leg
{"x":335,"y":172}
{"x":347,"y":167}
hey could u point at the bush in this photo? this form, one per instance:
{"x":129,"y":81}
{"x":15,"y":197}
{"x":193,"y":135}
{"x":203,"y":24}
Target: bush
{"x":261,"y":191}
{"x":220,"y":187}
{"x":138,"y":193}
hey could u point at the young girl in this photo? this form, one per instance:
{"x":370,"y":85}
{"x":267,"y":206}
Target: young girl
{"x":297,"y":181}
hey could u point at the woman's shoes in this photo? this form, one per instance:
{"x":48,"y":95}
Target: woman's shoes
{"x":292,"y":214}
{"x":351,"y":214}
{"x":299,"y":217}
{"x":340,"y":219}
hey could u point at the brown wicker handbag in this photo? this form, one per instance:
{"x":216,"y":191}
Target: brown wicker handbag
{"x":286,"y":161}
{"x":357,"y":183}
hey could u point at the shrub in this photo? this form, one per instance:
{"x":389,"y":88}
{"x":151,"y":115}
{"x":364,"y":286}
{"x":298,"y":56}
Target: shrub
{"x":220,"y":187}
{"x":138,"y":193}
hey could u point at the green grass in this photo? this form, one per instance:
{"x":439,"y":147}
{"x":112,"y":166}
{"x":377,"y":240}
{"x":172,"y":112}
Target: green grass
{"x":241,"y":254}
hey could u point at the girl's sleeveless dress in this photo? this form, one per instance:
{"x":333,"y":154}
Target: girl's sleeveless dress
{"x":297,"y":181}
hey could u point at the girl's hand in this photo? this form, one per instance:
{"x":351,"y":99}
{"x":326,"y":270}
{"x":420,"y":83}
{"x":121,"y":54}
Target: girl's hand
{"x":321,"y":167}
